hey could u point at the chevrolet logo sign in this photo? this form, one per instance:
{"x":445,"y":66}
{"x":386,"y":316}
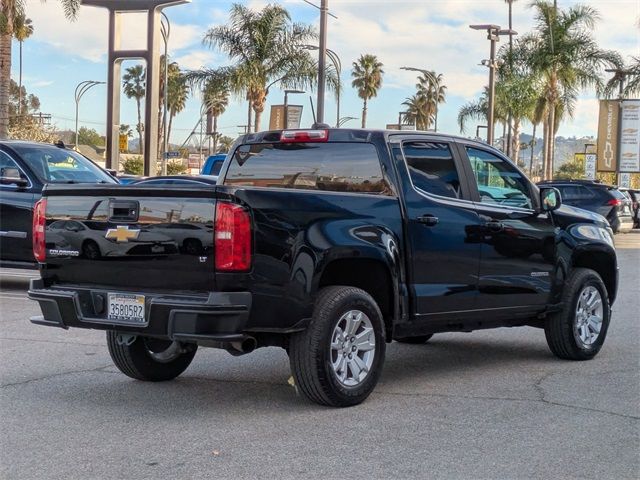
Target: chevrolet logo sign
{"x":122,"y":234}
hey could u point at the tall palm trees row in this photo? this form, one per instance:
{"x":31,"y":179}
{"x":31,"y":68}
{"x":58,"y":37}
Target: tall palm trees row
{"x":545,"y":71}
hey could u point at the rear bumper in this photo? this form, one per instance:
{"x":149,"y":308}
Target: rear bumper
{"x":219,"y":317}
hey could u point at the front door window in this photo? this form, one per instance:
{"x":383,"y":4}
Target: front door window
{"x":498,"y":181}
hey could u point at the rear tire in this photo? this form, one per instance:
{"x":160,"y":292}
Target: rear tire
{"x":419,"y":340}
{"x":149,"y":359}
{"x":338,"y":359}
{"x":578,"y":331}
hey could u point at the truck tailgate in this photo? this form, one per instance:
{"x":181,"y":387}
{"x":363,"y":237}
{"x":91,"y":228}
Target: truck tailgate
{"x":130,"y":238}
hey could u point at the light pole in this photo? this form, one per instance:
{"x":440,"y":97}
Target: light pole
{"x":322,"y":57}
{"x":344,"y":120}
{"x":81,"y":89}
{"x":286,"y":106}
{"x":337,"y":64}
{"x":165,"y":30}
{"x":493,"y":35}
{"x":434,"y":80}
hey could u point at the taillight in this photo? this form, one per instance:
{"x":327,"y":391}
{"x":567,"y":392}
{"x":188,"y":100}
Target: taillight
{"x":39,"y":223}
{"x":232,"y":238}
{"x":304,"y":136}
{"x":614,"y":202}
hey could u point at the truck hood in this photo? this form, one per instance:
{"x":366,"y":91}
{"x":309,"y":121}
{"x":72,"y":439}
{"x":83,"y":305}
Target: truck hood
{"x":567,"y":215}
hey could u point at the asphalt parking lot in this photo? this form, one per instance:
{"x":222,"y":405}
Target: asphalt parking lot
{"x":492,"y":404}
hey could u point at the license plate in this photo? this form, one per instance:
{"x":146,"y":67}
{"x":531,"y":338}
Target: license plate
{"x":126,"y":308}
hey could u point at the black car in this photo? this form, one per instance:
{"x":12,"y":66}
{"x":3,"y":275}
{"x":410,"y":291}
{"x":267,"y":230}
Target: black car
{"x":597,"y":197}
{"x":329,"y":243}
{"x":25,"y":168}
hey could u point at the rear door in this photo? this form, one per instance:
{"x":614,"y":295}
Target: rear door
{"x":517,"y":243}
{"x":440,"y":221}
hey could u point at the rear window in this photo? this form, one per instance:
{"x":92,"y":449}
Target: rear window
{"x":334,"y":167}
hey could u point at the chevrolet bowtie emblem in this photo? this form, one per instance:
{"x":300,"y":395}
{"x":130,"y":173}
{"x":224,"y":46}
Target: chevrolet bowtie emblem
{"x":122,"y":234}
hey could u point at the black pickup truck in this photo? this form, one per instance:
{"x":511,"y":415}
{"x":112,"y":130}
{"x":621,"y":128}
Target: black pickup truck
{"x":329,"y":244}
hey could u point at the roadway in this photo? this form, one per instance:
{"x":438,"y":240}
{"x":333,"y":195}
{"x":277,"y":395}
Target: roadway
{"x":491,"y":404}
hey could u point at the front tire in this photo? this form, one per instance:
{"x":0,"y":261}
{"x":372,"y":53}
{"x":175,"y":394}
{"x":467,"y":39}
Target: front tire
{"x":149,"y":359}
{"x":338,"y":359}
{"x":578,"y":331}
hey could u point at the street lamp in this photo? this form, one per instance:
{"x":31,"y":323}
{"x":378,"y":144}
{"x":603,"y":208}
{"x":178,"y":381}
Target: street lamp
{"x":344,"y":120}
{"x":286,"y":106}
{"x":81,"y":89}
{"x":434,"y":80}
{"x":165,"y":30}
{"x":337,"y":64}
{"x":493,"y":35}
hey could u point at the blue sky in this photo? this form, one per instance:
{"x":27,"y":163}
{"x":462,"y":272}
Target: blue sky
{"x":429,"y":34}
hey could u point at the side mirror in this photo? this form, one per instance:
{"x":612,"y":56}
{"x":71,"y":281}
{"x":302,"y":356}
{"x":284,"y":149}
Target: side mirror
{"x":550,"y":199}
{"x":17,"y":181}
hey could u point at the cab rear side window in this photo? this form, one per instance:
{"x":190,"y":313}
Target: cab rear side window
{"x":333,"y":167}
{"x":432,"y":168}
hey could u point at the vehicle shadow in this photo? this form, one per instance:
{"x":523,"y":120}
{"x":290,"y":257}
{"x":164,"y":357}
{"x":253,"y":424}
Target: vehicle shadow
{"x":232,"y":385}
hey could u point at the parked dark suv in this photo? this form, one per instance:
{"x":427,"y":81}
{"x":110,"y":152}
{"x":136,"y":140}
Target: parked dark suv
{"x":597,"y":197}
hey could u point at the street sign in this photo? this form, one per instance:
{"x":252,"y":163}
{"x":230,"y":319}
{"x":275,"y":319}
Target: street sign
{"x":123,"y":142}
{"x":276,"y":119}
{"x":630,"y":136}
{"x":590,"y":160}
{"x":625,"y":180}
{"x":172,"y":155}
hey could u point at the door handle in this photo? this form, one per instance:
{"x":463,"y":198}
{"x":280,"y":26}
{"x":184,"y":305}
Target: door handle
{"x":494,"y":226}
{"x":428,"y":220}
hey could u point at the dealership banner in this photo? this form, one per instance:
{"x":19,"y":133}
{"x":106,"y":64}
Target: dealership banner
{"x":630,"y":137}
{"x":608,"y":135}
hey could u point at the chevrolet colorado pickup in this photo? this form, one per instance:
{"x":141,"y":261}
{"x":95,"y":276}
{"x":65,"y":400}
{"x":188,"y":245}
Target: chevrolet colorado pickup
{"x":329,"y":244}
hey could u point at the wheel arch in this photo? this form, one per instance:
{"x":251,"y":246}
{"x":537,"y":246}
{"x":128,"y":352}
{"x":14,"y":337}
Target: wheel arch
{"x":604,"y":263}
{"x":372,"y":275}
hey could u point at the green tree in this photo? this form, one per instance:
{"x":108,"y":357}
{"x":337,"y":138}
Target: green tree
{"x":178,"y":93}
{"x":10,"y":11}
{"x":176,"y":168}
{"x":573,"y":168}
{"x":134,"y":86}
{"x":225,"y":144}
{"x":215,"y":97}
{"x":367,"y":79}
{"x":566,"y":55}
{"x":23,"y":29}
{"x":89,"y":136}
{"x":267,"y":50}
{"x":432,"y":90}
{"x":133,"y":165}
{"x":418,"y":112}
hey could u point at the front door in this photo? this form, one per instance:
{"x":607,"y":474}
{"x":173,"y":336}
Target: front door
{"x":517,"y":241}
{"x":16,"y":205}
{"x":442,"y":265}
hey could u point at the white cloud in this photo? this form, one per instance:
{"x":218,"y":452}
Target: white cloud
{"x":41,"y":83}
{"x":195,"y":60}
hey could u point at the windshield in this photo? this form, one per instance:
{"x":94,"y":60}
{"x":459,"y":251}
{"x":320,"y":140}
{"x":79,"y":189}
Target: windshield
{"x":58,"y":165}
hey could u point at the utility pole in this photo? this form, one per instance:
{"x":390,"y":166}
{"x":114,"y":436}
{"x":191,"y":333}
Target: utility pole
{"x":493,"y":35}
{"x":322,"y":56}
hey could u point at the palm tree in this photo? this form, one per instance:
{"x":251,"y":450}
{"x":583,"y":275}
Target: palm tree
{"x":23,"y":29}
{"x":177,"y":93}
{"x":367,"y":79}
{"x":565,"y":53}
{"x":10,"y":10}
{"x":479,"y":110}
{"x":134,"y":86}
{"x":418,"y":112}
{"x":267,"y":50}
{"x":215,"y":97}
{"x":432,"y":88}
